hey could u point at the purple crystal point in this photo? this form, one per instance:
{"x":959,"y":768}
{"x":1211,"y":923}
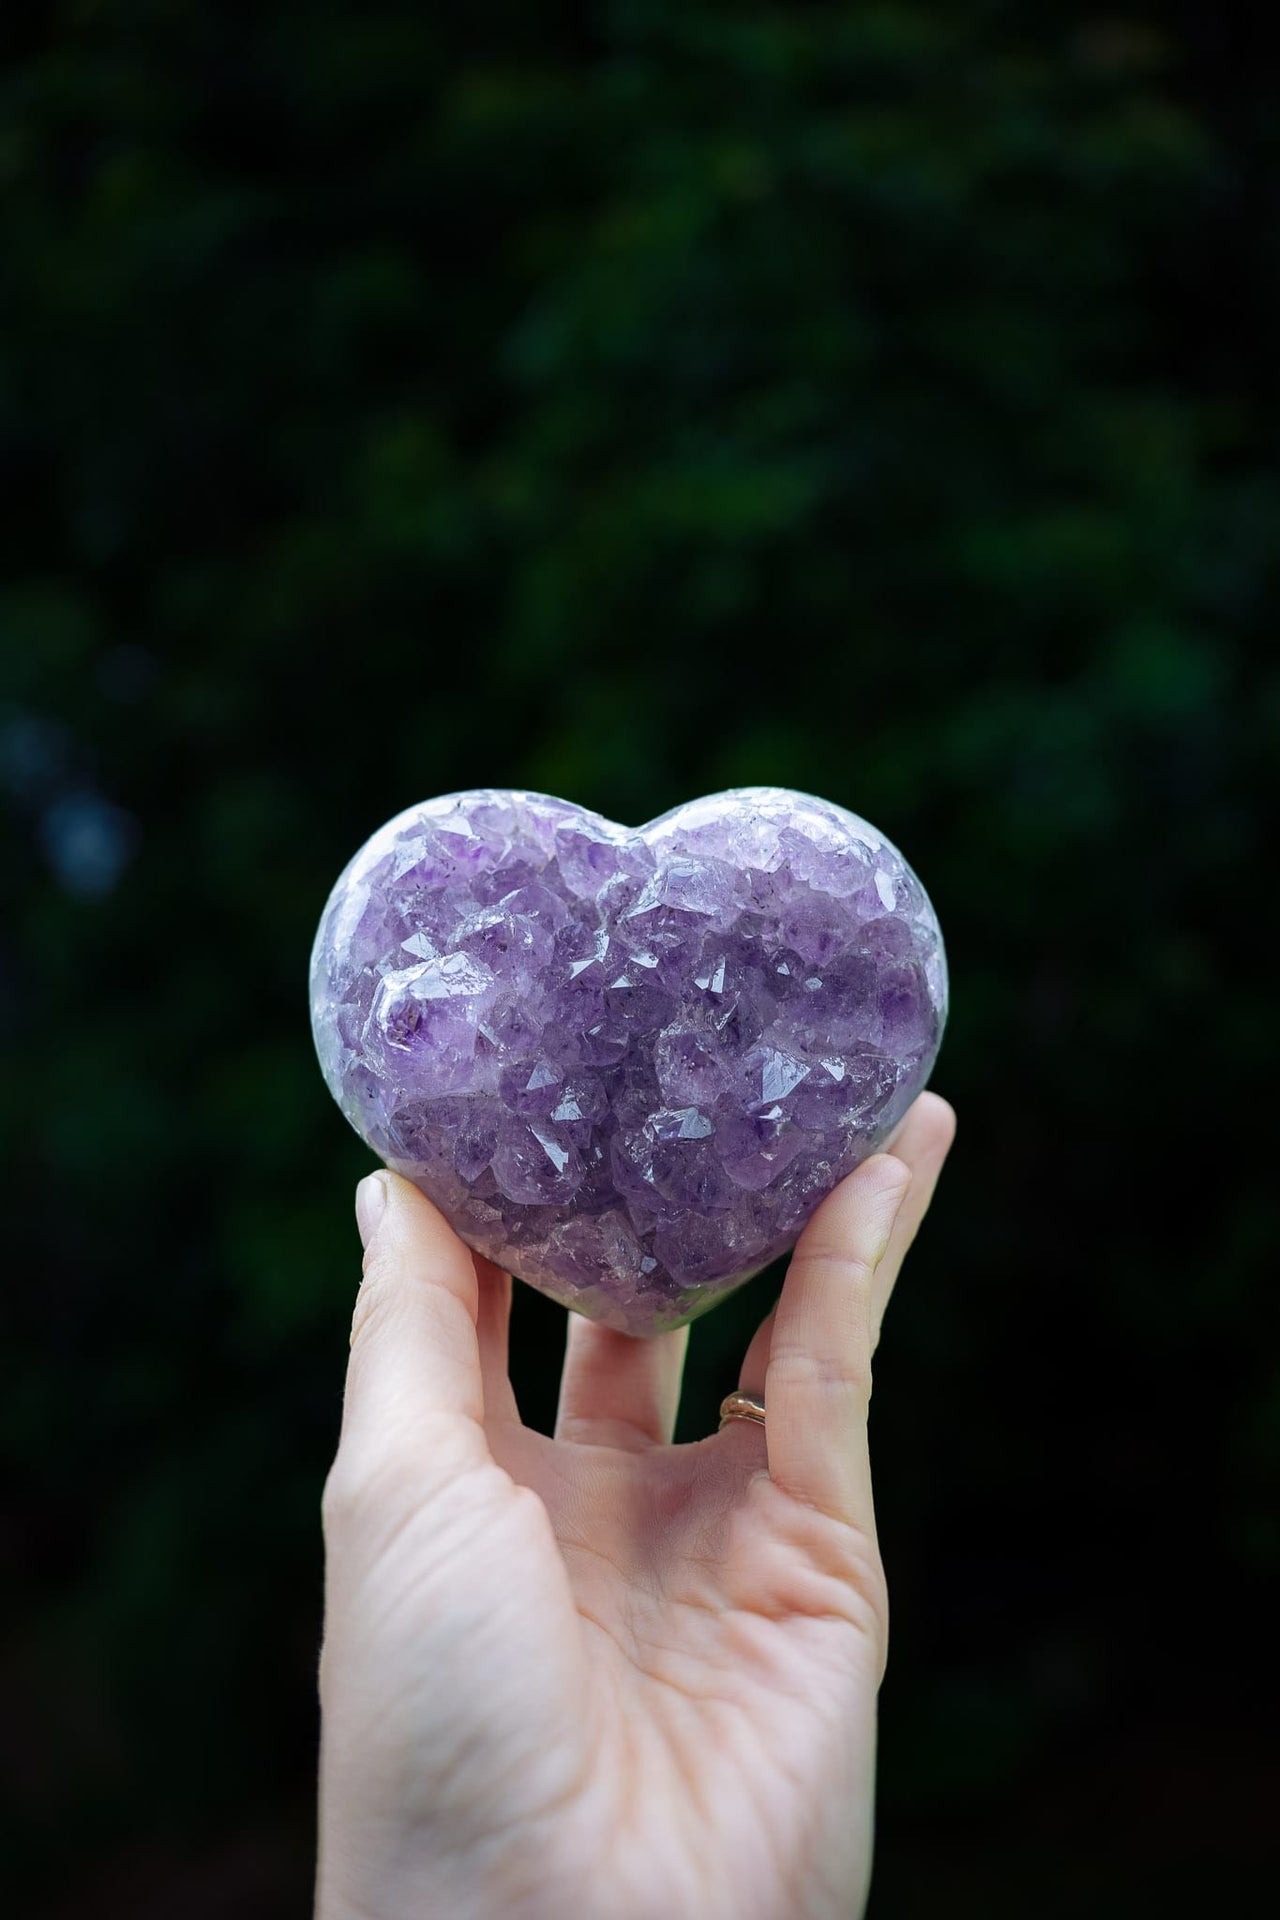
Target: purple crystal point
{"x":627,"y":1066}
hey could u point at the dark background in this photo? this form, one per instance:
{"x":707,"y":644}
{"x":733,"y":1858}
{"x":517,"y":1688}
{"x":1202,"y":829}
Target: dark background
{"x":628,"y":401}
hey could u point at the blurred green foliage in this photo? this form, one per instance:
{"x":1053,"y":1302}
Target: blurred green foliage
{"x":627,"y":401}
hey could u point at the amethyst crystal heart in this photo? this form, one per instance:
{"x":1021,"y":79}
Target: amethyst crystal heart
{"x":627,"y":1066}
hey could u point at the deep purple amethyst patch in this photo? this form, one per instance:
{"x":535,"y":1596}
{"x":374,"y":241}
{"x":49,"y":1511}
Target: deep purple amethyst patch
{"x":627,"y":1065}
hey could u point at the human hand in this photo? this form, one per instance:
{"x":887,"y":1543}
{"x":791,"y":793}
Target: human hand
{"x":600,"y":1675}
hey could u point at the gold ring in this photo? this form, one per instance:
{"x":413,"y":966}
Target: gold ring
{"x":742,"y":1406}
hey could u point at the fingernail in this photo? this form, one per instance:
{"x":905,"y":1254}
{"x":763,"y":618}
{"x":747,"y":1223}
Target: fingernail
{"x":371,"y":1204}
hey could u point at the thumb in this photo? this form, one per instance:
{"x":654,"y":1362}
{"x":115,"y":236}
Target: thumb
{"x":818,"y":1380}
{"x":414,"y":1351}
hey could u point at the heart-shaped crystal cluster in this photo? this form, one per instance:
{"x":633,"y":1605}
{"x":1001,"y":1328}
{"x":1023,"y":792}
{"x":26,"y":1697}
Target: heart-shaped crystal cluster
{"x":627,"y":1065}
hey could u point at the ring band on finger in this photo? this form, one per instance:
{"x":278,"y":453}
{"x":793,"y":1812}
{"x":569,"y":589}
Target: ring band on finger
{"x":742,"y":1406}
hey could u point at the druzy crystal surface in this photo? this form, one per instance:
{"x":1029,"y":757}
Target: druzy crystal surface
{"x":627,"y":1065}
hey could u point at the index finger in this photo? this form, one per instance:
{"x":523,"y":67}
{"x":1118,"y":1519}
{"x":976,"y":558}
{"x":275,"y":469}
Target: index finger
{"x":818,"y":1380}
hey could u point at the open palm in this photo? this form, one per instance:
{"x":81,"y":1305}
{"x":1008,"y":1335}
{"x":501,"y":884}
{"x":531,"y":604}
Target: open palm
{"x":600,"y":1675}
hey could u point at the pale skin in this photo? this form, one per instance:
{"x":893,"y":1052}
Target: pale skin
{"x":599,"y":1675}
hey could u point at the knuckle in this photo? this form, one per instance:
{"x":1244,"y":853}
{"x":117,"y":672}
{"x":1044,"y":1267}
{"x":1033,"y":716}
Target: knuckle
{"x":374,"y":1479}
{"x":328,"y":1667}
{"x":831,"y":1568}
{"x":339,"y":1499}
{"x":868,"y":1589}
{"x":358,"y":1492}
{"x":798,"y":1369}
{"x":854,"y":1269}
{"x":373,"y":1300}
